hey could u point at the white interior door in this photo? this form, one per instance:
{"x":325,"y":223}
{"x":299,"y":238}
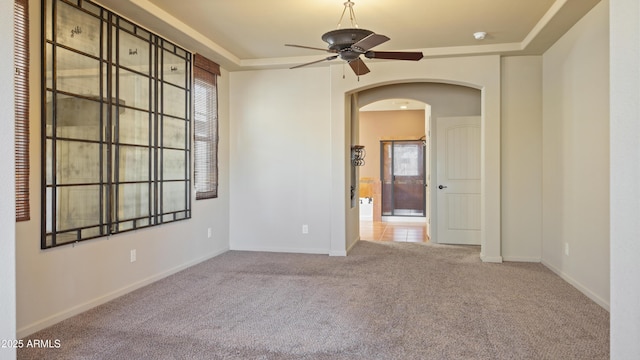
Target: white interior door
{"x":458,"y":180}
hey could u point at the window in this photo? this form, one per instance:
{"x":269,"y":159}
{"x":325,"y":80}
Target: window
{"x":116,"y":125}
{"x":205,"y":106}
{"x":407,"y":159}
{"x":21,"y":94}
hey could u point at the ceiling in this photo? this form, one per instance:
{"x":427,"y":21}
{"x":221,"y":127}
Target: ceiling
{"x":249,"y":34}
{"x":394,"y":104}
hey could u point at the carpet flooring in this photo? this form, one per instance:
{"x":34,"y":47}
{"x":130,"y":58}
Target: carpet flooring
{"x":383,"y":301}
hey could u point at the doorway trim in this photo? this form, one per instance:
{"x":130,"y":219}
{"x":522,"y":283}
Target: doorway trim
{"x":480,"y":72}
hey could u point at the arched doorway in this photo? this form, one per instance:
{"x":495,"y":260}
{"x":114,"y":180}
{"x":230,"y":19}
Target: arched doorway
{"x":482,"y":73}
{"x":431,"y":102}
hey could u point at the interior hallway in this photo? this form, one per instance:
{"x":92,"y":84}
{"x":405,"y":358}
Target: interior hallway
{"x":393,"y":231}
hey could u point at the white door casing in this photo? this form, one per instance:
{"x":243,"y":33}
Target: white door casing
{"x":458,"y":180}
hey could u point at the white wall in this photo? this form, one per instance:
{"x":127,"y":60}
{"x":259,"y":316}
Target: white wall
{"x":576,"y":155}
{"x":521,"y":158}
{"x":280,"y":180}
{"x":290,"y":149}
{"x":7,"y":189}
{"x":75,"y":278}
{"x":625,"y":179}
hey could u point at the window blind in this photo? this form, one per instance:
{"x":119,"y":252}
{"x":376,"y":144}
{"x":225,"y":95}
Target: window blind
{"x":205,"y":74}
{"x":21,"y":100}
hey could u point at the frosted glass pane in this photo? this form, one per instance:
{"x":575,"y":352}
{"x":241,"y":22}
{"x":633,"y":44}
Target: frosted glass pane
{"x":49,"y":162}
{"x":48,"y":21}
{"x":174,"y":194}
{"x":134,"y":53}
{"x":174,"y":133}
{"x":49,"y":65}
{"x":90,"y":232}
{"x":134,"y":127}
{"x":78,"y":206}
{"x":174,"y":69}
{"x":174,"y":102}
{"x":134,"y":164}
{"x":134,"y":89}
{"x":173,"y":165}
{"x":77,"y":74}
{"x":133,"y":201}
{"x":77,"y":162}
{"x":77,"y":29}
{"x":68,"y":237}
{"x":77,"y":118}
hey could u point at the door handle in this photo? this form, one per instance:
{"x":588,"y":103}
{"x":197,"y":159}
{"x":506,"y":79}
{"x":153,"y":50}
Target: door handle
{"x":441,"y":187}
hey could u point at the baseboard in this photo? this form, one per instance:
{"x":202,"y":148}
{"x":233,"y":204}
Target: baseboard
{"x":522,"y":259}
{"x":78,"y":309}
{"x":351,"y":246}
{"x":583,"y":289}
{"x":491,"y":259}
{"x":282,"y":250}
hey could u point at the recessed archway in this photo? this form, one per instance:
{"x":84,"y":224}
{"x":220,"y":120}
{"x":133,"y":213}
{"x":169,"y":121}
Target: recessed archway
{"x":444,"y":101}
{"x":481,"y":73}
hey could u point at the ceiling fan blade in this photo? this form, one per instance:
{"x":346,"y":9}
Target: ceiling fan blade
{"x":394,"y":55}
{"x":311,"y":48}
{"x":369,"y":42}
{"x":359,"y":67}
{"x":314,"y":62}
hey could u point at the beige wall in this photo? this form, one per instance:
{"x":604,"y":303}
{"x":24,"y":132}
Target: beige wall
{"x":291,"y":148}
{"x":57,"y":283}
{"x":575,"y":155}
{"x":280,"y":179}
{"x":446,"y":100}
{"x":480,"y":72}
{"x":7,"y":193}
{"x":379,"y":125}
{"x":625,"y":179}
{"x":522,"y":158}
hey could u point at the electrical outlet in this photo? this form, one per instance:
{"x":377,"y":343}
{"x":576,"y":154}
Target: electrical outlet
{"x":305,"y":229}
{"x":566,"y":249}
{"x":133,"y":255}
{"x":208,"y":232}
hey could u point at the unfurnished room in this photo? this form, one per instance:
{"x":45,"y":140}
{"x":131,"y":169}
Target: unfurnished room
{"x":321,"y":179}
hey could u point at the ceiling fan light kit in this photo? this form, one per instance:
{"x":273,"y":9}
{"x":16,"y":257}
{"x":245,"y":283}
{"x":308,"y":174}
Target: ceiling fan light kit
{"x":349,"y":43}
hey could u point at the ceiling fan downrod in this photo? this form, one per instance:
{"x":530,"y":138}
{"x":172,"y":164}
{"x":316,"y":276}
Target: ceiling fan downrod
{"x":352,"y":15}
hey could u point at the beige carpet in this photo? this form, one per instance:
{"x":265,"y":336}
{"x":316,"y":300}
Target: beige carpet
{"x":383,"y":301}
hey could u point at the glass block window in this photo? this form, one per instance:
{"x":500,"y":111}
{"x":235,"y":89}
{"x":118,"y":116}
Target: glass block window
{"x":116,"y":125}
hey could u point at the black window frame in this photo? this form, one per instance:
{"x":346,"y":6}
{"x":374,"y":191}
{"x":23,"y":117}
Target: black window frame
{"x":160,"y":154}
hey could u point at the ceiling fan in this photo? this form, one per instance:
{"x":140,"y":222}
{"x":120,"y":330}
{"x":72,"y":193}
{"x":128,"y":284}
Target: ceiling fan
{"x":349,"y":43}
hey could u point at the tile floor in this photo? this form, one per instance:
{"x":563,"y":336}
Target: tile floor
{"x":393,"y":231}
